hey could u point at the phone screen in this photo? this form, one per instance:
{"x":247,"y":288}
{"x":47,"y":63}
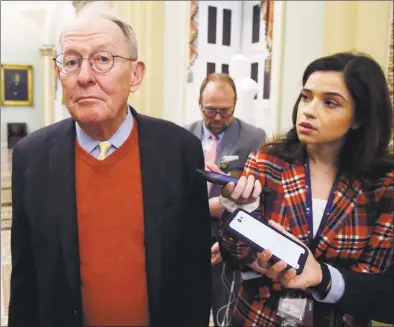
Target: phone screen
{"x":267,"y":238}
{"x":226,"y":178}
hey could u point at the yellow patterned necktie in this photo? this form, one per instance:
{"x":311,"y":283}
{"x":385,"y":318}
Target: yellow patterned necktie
{"x":104,"y":147}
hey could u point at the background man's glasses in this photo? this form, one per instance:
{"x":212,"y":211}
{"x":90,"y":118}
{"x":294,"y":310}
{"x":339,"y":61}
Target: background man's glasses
{"x":224,"y":113}
{"x":101,"y":62}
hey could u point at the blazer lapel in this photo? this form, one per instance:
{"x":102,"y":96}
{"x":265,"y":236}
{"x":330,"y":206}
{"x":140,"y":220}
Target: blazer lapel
{"x":230,"y":137}
{"x":63,"y":201}
{"x":153,"y":167}
{"x":197,"y":129}
{"x":294,"y":187}
{"x":345,"y":198}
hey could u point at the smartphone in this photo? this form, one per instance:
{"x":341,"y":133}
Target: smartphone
{"x":216,"y":178}
{"x":259,"y":235}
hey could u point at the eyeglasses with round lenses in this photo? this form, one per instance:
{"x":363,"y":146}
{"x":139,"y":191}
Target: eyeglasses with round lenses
{"x":101,"y":62}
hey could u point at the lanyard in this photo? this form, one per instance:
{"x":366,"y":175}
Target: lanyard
{"x":309,"y":210}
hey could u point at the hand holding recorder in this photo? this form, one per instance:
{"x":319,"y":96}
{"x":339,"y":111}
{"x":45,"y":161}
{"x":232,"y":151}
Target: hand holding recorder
{"x":241,"y":191}
{"x":310,"y":276}
{"x":254,"y":232}
{"x":260,"y":236}
{"x":247,"y":190}
{"x":215,"y":208}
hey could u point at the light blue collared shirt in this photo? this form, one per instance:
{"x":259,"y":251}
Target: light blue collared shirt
{"x":206,"y":139}
{"x":337,"y":287}
{"x":117,"y":139}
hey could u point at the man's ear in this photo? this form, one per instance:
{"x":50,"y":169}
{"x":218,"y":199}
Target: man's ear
{"x":137,"y":76}
{"x":58,"y":71}
{"x":201,"y":108}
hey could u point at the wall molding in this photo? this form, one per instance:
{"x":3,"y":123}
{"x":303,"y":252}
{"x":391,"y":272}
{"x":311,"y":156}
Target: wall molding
{"x":47,"y":50}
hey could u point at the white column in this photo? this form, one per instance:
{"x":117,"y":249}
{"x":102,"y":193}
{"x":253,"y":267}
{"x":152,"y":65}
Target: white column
{"x":175,"y":61}
{"x":277,"y":67}
{"x":48,"y":81}
{"x":292,"y":51}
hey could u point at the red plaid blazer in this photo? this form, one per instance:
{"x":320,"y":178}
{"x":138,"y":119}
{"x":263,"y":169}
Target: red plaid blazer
{"x":359,"y":232}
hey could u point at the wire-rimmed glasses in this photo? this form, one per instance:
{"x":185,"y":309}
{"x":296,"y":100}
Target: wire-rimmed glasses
{"x":101,"y":62}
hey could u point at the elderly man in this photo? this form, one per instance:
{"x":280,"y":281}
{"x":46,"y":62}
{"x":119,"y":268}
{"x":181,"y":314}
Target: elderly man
{"x":110,"y":219}
{"x":222,"y":135}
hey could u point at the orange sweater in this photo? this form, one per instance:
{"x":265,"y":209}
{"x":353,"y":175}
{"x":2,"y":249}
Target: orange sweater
{"x":111,"y":236}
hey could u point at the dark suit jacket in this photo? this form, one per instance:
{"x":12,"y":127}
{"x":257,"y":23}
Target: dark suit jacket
{"x":45,"y":280}
{"x":368,"y":295}
{"x":239,"y":139}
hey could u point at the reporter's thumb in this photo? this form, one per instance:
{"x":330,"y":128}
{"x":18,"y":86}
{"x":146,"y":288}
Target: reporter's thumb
{"x":263,"y":258}
{"x":276,"y":226}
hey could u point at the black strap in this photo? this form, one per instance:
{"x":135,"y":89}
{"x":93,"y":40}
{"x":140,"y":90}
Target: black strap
{"x":323,"y":288}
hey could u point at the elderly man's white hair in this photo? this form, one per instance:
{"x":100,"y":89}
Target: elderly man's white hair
{"x":95,"y":10}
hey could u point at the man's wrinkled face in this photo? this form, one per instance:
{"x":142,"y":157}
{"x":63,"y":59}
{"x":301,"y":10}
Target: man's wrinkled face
{"x":91,"y":96}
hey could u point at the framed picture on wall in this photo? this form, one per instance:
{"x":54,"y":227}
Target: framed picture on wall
{"x":16,"y":85}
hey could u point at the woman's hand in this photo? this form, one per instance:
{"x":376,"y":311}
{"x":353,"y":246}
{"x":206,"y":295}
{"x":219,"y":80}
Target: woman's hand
{"x":212,"y":167}
{"x":256,"y":267}
{"x":215,"y":208}
{"x":311,"y":275}
{"x":247,"y":190}
{"x":216,"y":257}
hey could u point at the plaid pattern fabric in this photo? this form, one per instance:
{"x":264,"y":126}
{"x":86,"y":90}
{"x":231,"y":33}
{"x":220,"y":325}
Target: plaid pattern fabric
{"x":359,"y":232}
